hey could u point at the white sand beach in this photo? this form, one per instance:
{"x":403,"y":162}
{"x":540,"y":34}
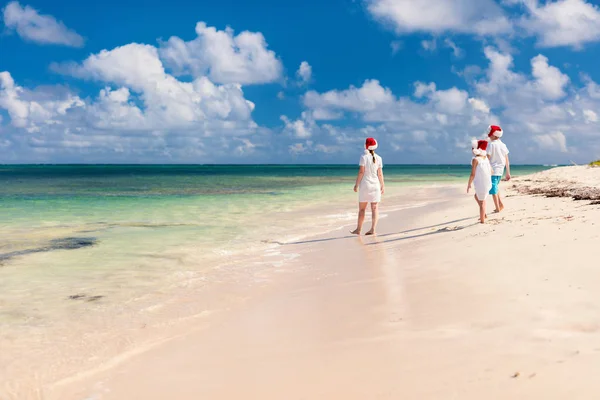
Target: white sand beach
{"x":437,"y":306}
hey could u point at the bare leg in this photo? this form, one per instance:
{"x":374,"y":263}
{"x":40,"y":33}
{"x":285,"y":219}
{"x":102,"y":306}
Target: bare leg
{"x":479,"y":203}
{"x":374,"y":217}
{"x":497,"y":209}
{"x":482,"y":214}
{"x":362,"y":207}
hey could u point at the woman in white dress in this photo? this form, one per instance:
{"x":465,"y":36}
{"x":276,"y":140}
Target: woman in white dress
{"x":369,"y":185}
{"x":481,"y":176}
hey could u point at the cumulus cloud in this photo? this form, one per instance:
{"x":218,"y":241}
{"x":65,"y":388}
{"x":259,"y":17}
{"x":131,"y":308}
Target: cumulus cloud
{"x":555,"y":141}
{"x":300,"y":148}
{"x":479,"y":105}
{"x":542,"y":112}
{"x":562,"y":23}
{"x":554,"y":23}
{"x":366,"y":98}
{"x":142,"y":113}
{"x":122,"y":123}
{"x":456,"y":51}
{"x":167,"y":102}
{"x":304,"y":72}
{"x":550,"y":81}
{"x":590,"y":116}
{"x":482,"y":17}
{"x":375,"y":103}
{"x":300,"y":128}
{"x":38,"y":28}
{"x":32,"y":110}
{"x":223,"y":56}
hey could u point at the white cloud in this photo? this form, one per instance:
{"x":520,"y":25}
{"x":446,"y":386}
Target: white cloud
{"x":321,"y":148}
{"x":482,"y":17}
{"x":550,"y":81}
{"x":590,"y":116}
{"x":555,"y":141}
{"x":563,"y":22}
{"x":223,"y":57}
{"x":323,"y":114}
{"x":451,"y":101}
{"x":38,"y":28}
{"x":142,"y":115}
{"x":300,"y":148}
{"x":457,"y":51}
{"x":422,"y":89}
{"x":168,"y":102}
{"x":499,"y":73}
{"x":280,"y":95}
{"x":368,"y":97}
{"x":31,"y":110}
{"x":141,"y":112}
{"x":540,"y":111}
{"x":245,"y":147}
{"x":300,"y":128}
{"x":479,"y":105}
{"x":304,"y":72}
{"x":429,"y":45}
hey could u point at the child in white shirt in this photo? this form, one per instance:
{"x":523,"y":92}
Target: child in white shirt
{"x":497,"y":153}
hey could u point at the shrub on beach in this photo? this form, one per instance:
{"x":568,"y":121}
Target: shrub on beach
{"x":595,"y":163}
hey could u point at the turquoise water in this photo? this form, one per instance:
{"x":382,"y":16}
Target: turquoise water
{"x":90,"y":254}
{"x":125,"y":230}
{"x":215,"y":205}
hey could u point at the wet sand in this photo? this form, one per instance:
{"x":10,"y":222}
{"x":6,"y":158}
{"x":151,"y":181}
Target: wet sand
{"x":436,"y":306}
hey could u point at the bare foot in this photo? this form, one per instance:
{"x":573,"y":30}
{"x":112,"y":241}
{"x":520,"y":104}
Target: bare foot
{"x":355,"y":232}
{"x":371,"y":232}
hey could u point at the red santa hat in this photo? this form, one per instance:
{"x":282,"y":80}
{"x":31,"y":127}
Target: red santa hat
{"x":370,"y":144}
{"x":494,"y":130}
{"x":479,"y":147}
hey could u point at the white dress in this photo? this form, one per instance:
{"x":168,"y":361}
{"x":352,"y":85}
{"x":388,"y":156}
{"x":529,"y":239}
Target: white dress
{"x":369,"y":189}
{"x":483,"y":178}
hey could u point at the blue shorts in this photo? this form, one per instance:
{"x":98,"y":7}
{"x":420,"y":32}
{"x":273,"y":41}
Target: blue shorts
{"x":495,"y":182}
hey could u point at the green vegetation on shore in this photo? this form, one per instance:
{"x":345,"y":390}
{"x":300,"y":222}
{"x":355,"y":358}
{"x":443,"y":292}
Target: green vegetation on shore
{"x":595,"y":163}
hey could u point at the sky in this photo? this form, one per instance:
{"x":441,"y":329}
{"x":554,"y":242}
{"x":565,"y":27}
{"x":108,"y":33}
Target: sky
{"x":266,"y":81}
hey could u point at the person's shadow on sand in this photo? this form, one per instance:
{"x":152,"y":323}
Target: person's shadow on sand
{"x":442,"y":230}
{"x":446,"y":229}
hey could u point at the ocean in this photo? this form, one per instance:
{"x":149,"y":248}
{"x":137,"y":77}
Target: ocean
{"x":89,"y":252}
{"x":62,"y":222}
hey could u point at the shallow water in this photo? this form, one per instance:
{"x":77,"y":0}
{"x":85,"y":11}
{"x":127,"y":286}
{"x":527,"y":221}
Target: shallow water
{"x":85,"y":249}
{"x":123,"y":222}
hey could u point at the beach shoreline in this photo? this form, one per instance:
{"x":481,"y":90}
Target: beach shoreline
{"x":416,"y":292}
{"x":93,"y":329}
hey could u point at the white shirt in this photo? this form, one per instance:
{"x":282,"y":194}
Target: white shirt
{"x":497,"y":152}
{"x":366,"y":160}
{"x":369,"y":189}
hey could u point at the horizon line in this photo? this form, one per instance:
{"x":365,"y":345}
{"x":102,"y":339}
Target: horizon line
{"x":246,"y":164}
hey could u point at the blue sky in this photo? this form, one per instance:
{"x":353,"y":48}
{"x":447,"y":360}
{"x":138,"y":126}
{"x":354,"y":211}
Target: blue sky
{"x":297,"y":82}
